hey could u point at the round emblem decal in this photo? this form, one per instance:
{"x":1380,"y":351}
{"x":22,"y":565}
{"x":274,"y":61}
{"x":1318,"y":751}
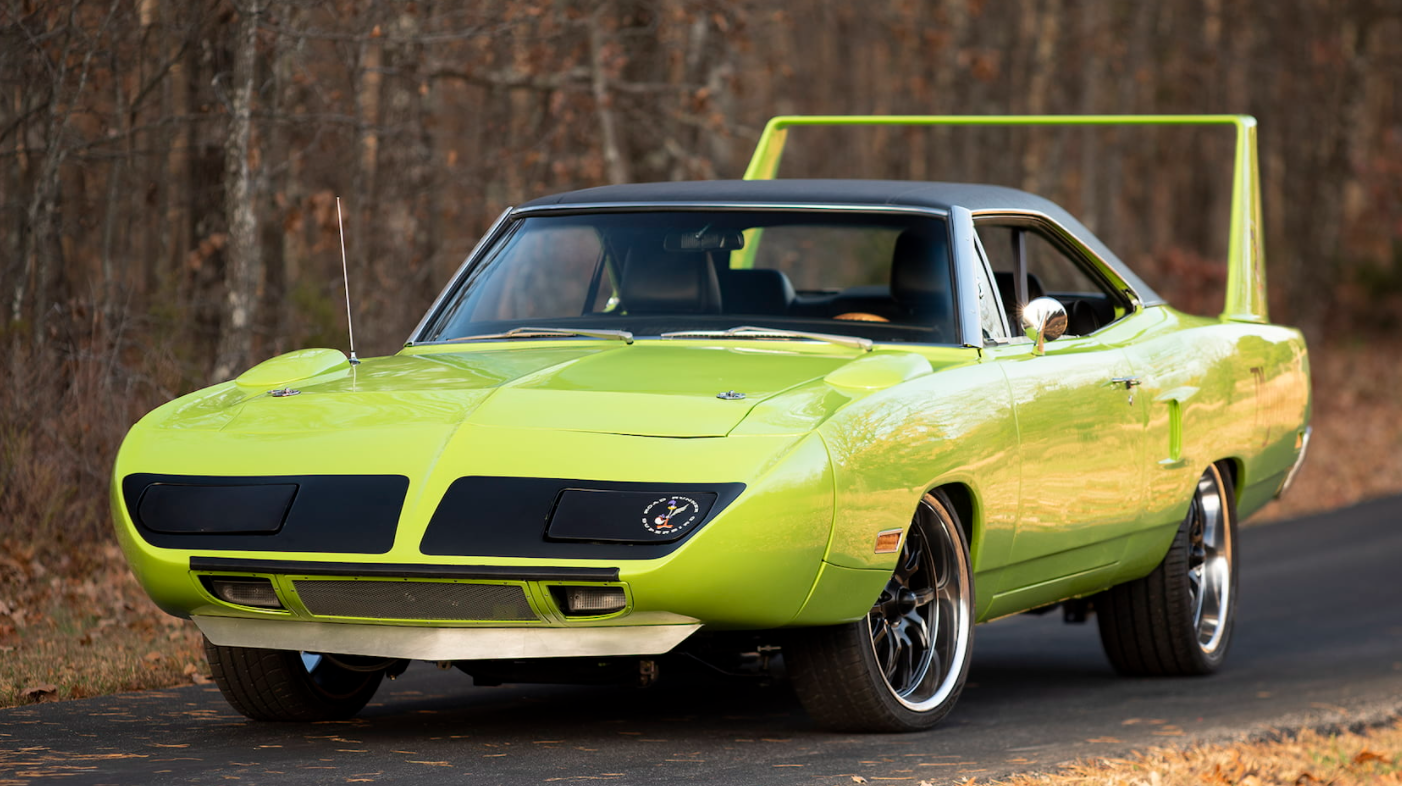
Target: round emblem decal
{"x":670,"y":515}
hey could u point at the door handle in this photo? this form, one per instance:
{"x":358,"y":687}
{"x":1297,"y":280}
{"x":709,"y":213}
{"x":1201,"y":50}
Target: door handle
{"x":1129,"y":382}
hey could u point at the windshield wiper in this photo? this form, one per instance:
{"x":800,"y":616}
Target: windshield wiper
{"x":546,"y":332}
{"x":750,"y":331}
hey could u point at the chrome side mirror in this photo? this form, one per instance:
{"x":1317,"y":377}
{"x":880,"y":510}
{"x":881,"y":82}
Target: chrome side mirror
{"x":1043,"y":320}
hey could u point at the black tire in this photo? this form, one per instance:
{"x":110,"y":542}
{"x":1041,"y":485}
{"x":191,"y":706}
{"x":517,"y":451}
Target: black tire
{"x":836,"y":671}
{"x":1164,"y":624}
{"x":278,"y":685}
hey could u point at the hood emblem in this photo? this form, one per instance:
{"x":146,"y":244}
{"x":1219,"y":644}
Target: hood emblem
{"x":730,"y":395}
{"x":283,"y":392}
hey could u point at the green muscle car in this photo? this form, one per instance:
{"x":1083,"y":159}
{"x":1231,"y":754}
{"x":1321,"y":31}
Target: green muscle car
{"x":840,"y":420}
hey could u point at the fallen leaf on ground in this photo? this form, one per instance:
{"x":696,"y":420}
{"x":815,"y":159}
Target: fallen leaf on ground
{"x":39,"y":692}
{"x":1364,"y":756}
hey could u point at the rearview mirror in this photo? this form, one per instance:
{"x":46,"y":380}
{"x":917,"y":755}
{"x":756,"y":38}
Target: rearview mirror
{"x":1043,"y":320}
{"x":705,"y":240}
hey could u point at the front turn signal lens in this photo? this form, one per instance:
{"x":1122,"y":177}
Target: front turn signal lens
{"x":888,"y":541}
{"x":590,"y":601}
{"x":244,"y":591}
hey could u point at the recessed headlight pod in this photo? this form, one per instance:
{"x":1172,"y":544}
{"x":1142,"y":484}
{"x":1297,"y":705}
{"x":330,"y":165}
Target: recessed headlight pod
{"x":628,"y":516}
{"x":169,"y":508}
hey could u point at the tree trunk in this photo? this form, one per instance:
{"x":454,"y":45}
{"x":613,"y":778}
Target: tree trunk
{"x":243,"y":266}
{"x":614,"y":162}
{"x":177,"y":227}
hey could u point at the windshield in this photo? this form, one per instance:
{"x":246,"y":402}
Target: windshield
{"x":884,"y":277}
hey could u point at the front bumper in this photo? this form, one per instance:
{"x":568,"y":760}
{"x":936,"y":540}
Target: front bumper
{"x":444,"y":644}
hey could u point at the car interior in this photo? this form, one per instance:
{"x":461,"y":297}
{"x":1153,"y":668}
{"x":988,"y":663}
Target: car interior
{"x":657,"y":278}
{"x":658,"y":281}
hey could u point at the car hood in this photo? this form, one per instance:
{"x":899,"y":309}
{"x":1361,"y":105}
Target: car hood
{"x":644,"y":389}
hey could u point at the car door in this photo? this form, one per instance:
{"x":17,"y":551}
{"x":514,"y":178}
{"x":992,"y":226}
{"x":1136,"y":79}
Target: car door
{"x":1080,"y":416}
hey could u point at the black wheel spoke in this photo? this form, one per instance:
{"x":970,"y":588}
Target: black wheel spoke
{"x":879,"y":631}
{"x":918,"y":631}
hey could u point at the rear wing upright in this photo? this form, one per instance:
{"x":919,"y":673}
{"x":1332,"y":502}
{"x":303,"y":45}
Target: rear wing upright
{"x":1246,"y":264}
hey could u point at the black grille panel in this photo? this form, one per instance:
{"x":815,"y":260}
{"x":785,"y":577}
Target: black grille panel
{"x":414,"y":600}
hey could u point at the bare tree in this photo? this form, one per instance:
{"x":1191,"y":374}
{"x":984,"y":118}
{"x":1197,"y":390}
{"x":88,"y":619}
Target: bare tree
{"x":244,"y":265}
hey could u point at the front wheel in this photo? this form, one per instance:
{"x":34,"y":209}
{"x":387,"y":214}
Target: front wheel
{"x":902,"y":667}
{"x":280,"y":685}
{"x":1178,"y":620}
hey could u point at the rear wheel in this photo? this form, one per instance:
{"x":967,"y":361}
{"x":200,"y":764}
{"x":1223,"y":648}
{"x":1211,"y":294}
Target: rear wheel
{"x":902,"y":667}
{"x":280,"y":685}
{"x":1178,"y":619}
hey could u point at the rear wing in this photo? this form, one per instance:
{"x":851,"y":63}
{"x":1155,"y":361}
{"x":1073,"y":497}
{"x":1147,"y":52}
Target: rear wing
{"x":1246,"y":264}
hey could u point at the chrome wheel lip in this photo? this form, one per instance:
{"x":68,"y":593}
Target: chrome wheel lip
{"x":1210,"y":562}
{"x":950,"y":606}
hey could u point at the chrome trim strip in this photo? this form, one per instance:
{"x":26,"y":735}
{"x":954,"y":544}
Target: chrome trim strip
{"x":467,"y":262}
{"x":436,"y":643}
{"x":402,"y":570}
{"x":961,"y":228}
{"x":1111,"y":275}
{"x":799,"y":206}
{"x":752,"y":331}
{"x":1299,"y":460}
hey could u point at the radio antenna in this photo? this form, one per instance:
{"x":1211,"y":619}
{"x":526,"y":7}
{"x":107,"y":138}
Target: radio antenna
{"x":345,"y":276}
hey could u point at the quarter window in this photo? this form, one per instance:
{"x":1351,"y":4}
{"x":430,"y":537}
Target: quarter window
{"x":990,"y":311}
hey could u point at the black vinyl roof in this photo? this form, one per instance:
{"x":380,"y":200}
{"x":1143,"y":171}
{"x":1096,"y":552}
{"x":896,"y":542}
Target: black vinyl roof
{"x":898,"y":193}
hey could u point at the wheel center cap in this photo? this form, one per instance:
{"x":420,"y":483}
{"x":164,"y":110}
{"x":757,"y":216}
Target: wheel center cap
{"x":906,"y":600}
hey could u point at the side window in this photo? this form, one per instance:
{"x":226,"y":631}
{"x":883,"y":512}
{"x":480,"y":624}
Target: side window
{"x":1051,"y":272}
{"x":1056,"y":272}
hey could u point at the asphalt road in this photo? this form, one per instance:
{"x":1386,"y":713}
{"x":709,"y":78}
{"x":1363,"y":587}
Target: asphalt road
{"x":1319,"y":640}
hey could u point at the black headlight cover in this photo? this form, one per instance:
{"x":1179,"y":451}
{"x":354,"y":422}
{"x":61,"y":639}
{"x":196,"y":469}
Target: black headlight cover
{"x":628,"y":516}
{"x":334,"y":514}
{"x":186,"y":509}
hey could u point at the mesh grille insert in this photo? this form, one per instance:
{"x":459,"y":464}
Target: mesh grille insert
{"x":414,"y":600}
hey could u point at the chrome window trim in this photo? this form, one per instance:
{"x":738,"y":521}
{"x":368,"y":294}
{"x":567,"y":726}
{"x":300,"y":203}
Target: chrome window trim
{"x":587,"y":207}
{"x":961,"y":230}
{"x":1108,"y":273}
{"x":415,"y":338}
{"x":477,"y":249}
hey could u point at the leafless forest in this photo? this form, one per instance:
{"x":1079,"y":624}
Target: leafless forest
{"x":168,"y":168}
